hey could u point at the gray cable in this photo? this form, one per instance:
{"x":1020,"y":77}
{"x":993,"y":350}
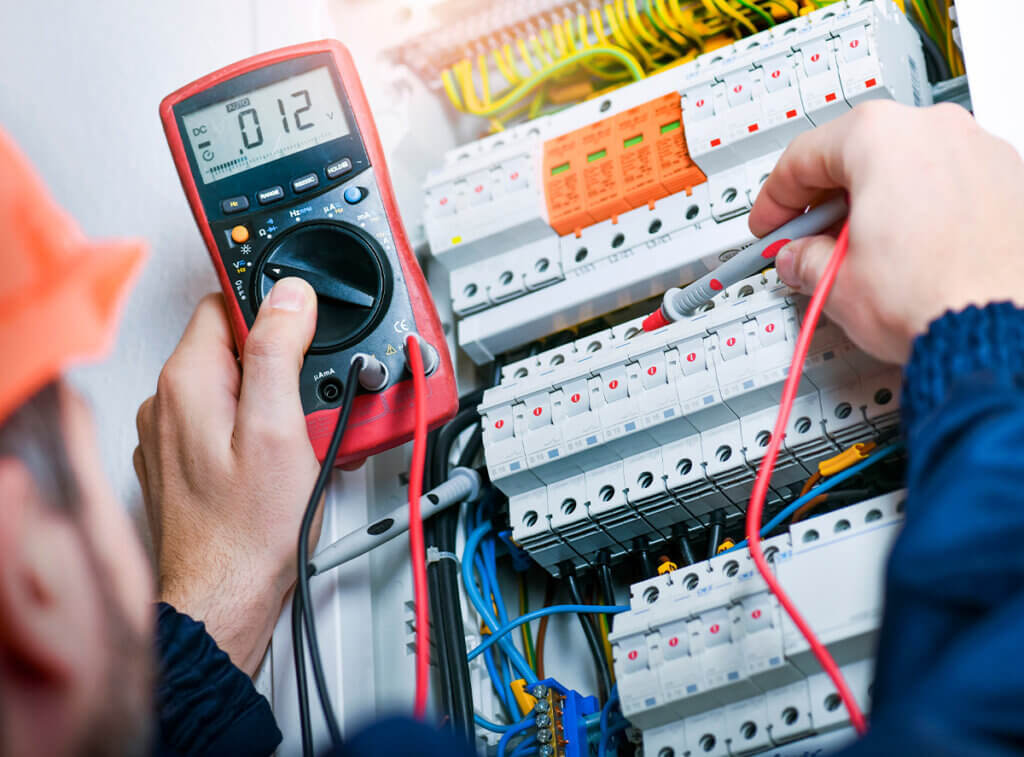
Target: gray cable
{"x":462,"y":484}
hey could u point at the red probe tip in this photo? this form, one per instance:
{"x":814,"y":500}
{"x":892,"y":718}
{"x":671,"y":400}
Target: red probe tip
{"x":655,"y":321}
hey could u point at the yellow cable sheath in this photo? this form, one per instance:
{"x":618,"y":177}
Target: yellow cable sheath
{"x":617,"y":17}
{"x":485,"y":79}
{"x":567,"y":35}
{"x":510,"y":62}
{"x":642,"y":31}
{"x":740,"y":18}
{"x":539,"y":52}
{"x":584,"y":31}
{"x":525,"y":55}
{"x":464,"y":76}
{"x":549,"y":45}
{"x":527,"y":86}
{"x":563,"y":48}
{"x":670,"y":27}
{"x":449,"y":88}
{"x":595,"y":19}
{"x":509,"y":75}
{"x":790,"y":7}
{"x":606,"y":644}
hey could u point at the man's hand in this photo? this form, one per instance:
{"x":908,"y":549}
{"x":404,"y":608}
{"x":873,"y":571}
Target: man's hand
{"x":226,"y":468}
{"x":935,"y":221}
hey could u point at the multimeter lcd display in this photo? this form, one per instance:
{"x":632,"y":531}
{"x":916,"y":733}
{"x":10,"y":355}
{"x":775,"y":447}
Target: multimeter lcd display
{"x":265,"y":124}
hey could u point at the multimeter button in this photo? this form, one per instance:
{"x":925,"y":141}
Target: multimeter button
{"x":353,"y":195}
{"x":240,"y":234}
{"x":304,"y":183}
{"x":269,"y":195}
{"x":338,"y":167}
{"x":235,"y":204}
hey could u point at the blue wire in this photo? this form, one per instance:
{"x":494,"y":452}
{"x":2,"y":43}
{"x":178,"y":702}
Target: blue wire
{"x":515,"y":657}
{"x":490,"y":565}
{"x":834,"y":481}
{"x":613,"y":699}
{"x":501,"y":677}
{"x":499,"y":633}
{"x":525,"y":747}
{"x":483,"y":722}
{"x":519,"y":727}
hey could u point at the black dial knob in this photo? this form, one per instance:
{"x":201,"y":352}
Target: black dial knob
{"x":346,"y":268}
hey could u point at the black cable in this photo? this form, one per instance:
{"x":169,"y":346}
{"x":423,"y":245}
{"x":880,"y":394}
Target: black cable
{"x":604,"y":575}
{"x":685,"y":549}
{"x":933,"y":54}
{"x":473,"y":445}
{"x":642,"y":551}
{"x":604,"y":678}
{"x":715,"y":532}
{"x":443,"y":575}
{"x":302,"y":594}
{"x":300,"y":674}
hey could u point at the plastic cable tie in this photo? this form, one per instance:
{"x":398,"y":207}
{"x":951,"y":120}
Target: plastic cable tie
{"x":436,"y":555}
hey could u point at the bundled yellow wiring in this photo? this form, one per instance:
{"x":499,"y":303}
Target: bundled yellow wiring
{"x":615,"y":42}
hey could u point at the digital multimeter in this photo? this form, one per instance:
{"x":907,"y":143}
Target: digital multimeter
{"x":282,"y":165}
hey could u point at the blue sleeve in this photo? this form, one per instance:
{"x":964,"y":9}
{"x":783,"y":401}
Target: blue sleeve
{"x":947,"y":680}
{"x":403,"y":736}
{"x":206,"y":705}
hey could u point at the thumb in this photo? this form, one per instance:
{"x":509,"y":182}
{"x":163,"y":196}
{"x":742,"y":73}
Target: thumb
{"x":802,"y":262}
{"x":269,"y":402}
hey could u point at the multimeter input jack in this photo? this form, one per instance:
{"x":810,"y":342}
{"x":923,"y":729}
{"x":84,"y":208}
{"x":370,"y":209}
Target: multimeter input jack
{"x":329,"y":390}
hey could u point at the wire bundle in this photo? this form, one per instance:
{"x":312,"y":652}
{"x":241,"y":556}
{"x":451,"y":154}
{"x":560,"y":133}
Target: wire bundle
{"x":581,"y":52}
{"x":931,"y":17}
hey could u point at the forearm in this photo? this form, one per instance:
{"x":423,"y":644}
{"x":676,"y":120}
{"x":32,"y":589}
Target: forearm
{"x":955,"y":586}
{"x":206,"y":705}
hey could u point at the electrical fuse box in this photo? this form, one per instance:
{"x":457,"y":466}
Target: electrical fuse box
{"x":569,"y":215}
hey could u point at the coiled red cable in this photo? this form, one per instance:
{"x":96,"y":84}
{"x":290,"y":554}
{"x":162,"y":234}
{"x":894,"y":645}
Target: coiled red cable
{"x":764,"y":473}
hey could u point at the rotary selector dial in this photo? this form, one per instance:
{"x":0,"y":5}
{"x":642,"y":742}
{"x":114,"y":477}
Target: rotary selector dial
{"x":346,"y":268}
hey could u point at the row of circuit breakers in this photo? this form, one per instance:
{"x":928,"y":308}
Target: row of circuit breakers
{"x":575,"y":214}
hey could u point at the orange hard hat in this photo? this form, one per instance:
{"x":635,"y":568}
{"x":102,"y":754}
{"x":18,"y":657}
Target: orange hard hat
{"x":60,"y":294}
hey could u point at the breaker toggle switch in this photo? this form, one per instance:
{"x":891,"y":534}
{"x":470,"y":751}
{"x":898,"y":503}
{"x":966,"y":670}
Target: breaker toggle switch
{"x":700,"y":104}
{"x":717,"y":628}
{"x":675,"y":641}
{"x":816,"y":55}
{"x":652,"y":370}
{"x":691,"y":356}
{"x":732,"y":342}
{"x":853,"y":43}
{"x":738,"y":90}
{"x":771,"y":328}
{"x":613,"y":383}
{"x":500,"y":423}
{"x":577,"y":397}
{"x":778,"y":74}
{"x":757,"y":615}
{"x":538,"y":410}
{"x":633,"y":650}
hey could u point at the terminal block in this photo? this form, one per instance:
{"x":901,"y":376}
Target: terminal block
{"x":571,"y":215}
{"x":560,"y":713}
{"x":626,"y":434}
{"x":708,"y":663}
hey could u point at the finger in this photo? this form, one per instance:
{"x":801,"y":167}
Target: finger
{"x":813,"y":164}
{"x":200,"y":381}
{"x":139,"y":461}
{"x":144,"y":420}
{"x":269,"y":400}
{"x":801,"y":263}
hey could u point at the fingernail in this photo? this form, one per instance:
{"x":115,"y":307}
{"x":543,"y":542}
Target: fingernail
{"x":288,"y":294}
{"x":785,"y":264}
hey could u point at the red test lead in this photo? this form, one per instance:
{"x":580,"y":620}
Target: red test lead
{"x":679,"y":303}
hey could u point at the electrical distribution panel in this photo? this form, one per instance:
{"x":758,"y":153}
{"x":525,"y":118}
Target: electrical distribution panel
{"x":626,"y":434}
{"x":707,"y":662}
{"x":614,"y":200}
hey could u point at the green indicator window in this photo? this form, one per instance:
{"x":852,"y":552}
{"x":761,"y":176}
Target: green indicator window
{"x":596,"y":155}
{"x":633,"y":140}
{"x":665,"y":129}
{"x":559,"y":169}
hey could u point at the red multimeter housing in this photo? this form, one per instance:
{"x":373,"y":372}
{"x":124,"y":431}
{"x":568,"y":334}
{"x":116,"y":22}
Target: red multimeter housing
{"x":282,"y":165}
